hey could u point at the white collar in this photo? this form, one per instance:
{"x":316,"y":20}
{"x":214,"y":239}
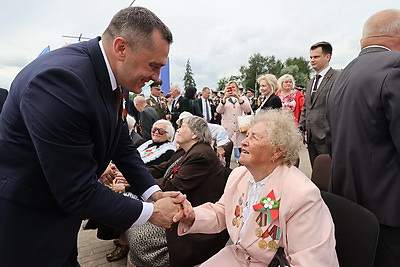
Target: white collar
{"x":324,"y":71}
{"x":109,"y":70}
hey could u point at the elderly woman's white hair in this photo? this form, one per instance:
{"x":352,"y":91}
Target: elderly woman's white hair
{"x":282,"y":132}
{"x":169,"y":128}
{"x":284,"y":78}
{"x":199,"y":127}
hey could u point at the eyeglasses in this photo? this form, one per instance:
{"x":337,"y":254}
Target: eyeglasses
{"x":159,"y":130}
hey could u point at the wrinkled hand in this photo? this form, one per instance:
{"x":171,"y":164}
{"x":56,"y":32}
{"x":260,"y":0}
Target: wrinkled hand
{"x":108,"y":176}
{"x":186,"y":215}
{"x":164,"y":211}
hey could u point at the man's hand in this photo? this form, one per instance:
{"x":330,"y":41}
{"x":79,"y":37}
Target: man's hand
{"x":164,"y":211}
{"x":160,"y":194}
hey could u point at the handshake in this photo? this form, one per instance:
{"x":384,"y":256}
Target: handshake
{"x":170,"y":207}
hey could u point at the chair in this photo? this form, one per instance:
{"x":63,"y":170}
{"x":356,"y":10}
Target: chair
{"x":322,"y":171}
{"x":356,"y":231}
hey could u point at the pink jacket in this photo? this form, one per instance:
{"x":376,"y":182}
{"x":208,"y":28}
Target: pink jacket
{"x":304,"y":226}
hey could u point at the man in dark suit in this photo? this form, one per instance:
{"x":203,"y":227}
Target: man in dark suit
{"x":3,"y":96}
{"x":250,"y":94}
{"x":313,"y":116}
{"x":179,"y":104}
{"x":148,"y":116}
{"x":363,"y":114}
{"x":207,"y":107}
{"x":61,"y":126}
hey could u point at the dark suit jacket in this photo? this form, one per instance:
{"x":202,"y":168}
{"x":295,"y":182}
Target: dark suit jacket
{"x":364,"y":128}
{"x":212,"y":107}
{"x":273,"y":101}
{"x":313,"y":116}
{"x":58,"y":134}
{"x":3,"y":96}
{"x":201,"y":177}
{"x":147,"y":118}
{"x":177,"y":108}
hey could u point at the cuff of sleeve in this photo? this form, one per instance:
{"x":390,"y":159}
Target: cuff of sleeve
{"x":147,"y":211}
{"x":147,"y":194}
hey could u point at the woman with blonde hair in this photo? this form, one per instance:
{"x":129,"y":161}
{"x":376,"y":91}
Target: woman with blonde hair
{"x":291,"y":98}
{"x":268,"y":85}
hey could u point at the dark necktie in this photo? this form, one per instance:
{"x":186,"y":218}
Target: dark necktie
{"x":117,"y":98}
{"x":315,"y":87}
{"x":207,"y":111}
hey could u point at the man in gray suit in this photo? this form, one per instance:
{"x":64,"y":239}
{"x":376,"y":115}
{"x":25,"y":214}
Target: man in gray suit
{"x":363,"y":113}
{"x":313,"y":116}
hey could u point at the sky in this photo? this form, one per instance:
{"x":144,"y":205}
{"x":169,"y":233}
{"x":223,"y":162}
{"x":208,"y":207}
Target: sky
{"x":218,"y":36}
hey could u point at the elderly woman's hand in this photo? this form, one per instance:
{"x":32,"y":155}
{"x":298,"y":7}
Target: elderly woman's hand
{"x":186,"y":215}
{"x":108,"y":175}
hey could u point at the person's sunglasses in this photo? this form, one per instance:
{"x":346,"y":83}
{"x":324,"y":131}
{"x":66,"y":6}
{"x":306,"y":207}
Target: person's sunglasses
{"x":159,"y":130}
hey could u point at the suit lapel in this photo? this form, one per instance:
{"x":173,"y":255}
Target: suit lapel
{"x":106,"y":92}
{"x":321,"y":87}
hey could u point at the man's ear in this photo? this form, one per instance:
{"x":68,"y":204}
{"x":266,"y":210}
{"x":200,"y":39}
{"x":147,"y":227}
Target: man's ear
{"x":120,"y":46}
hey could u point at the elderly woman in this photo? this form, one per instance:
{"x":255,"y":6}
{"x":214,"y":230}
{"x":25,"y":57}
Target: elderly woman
{"x":268,"y":85}
{"x":291,"y":98}
{"x":268,"y":204}
{"x":231,"y":106}
{"x":194,"y":170}
{"x":160,"y":148}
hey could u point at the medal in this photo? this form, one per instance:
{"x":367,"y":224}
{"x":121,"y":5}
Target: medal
{"x":241,"y":200}
{"x":259,"y":232}
{"x":262,"y":244}
{"x":234,"y":222}
{"x":238,"y":221}
{"x":272,"y":245}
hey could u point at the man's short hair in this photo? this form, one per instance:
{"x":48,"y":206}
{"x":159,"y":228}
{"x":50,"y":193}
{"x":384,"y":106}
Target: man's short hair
{"x":136,"y":24}
{"x":325,"y":46}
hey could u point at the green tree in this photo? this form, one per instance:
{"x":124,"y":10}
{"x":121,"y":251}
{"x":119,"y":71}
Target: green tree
{"x":188,"y":79}
{"x":299,"y":68}
{"x":259,"y":65}
{"x":223,"y":81}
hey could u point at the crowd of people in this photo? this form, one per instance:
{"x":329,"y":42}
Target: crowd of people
{"x":153,"y":173}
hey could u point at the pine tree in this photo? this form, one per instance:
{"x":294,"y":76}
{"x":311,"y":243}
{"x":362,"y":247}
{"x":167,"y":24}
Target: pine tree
{"x":188,"y":79}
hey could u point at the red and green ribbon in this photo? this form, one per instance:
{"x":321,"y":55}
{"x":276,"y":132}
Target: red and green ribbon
{"x":270,"y":205}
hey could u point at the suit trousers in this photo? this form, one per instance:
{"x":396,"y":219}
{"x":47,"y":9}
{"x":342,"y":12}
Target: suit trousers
{"x":388,"y":249}
{"x":316,"y":147}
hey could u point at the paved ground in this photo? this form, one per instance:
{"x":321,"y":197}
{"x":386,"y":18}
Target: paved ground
{"x":92,"y":251}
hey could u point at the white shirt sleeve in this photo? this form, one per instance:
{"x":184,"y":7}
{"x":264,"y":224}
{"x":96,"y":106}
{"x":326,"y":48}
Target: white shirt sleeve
{"x":148,"y":208}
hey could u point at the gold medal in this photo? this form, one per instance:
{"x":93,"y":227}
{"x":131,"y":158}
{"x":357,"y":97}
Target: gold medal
{"x":238,"y":221}
{"x":272,"y":245}
{"x":262,"y":244}
{"x":259,"y":232}
{"x":234,"y":223}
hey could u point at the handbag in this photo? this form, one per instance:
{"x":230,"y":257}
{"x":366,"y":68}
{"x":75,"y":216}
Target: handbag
{"x":279,"y":259}
{"x":244,"y":122}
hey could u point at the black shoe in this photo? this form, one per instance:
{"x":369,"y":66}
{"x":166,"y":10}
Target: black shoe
{"x":119,"y":252}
